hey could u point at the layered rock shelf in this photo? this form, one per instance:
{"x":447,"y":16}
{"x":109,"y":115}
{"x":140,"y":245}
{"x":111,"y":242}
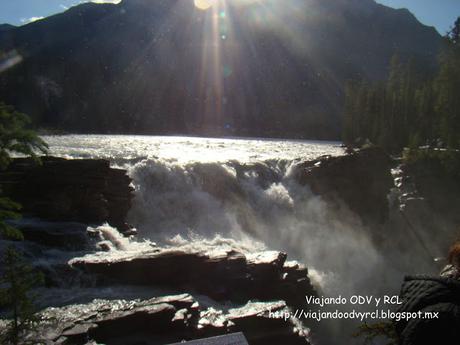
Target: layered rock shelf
{"x":84,"y":190}
{"x":219,"y":274}
{"x":165,"y":320}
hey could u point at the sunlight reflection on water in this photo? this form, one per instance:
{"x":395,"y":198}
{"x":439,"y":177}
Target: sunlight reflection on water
{"x":187,"y":149}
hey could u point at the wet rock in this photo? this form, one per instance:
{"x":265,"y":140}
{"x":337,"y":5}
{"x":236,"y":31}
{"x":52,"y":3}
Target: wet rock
{"x":259,"y":323}
{"x":165,"y":320}
{"x":222,"y":275}
{"x":104,"y":246}
{"x":361,"y":181}
{"x":66,"y":236}
{"x":83,"y":190}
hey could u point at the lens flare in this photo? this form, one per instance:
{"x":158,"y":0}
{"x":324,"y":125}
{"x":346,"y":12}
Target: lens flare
{"x":203,"y":4}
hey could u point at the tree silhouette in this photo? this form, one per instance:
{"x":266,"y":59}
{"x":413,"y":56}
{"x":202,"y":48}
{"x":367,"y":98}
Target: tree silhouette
{"x":454,"y":34}
{"x":16,"y":137}
{"x":17,"y":278}
{"x":17,"y":281}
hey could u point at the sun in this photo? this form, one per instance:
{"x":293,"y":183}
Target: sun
{"x":203,"y":4}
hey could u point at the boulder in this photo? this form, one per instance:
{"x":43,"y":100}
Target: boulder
{"x":83,"y":190}
{"x":361,"y":181}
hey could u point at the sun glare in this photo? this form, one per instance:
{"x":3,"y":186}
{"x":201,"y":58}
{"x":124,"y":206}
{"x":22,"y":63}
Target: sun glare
{"x":222,"y":43}
{"x":203,"y":4}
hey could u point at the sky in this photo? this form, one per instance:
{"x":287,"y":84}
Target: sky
{"x":438,"y":13}
{"x":18,"y":12}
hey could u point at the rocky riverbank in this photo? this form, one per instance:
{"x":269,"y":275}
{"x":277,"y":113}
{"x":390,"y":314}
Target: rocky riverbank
{"x":240,"y":290}
{"x":165,"y":320}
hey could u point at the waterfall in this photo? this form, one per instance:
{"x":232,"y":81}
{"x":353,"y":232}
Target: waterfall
{"x":257,"y":202}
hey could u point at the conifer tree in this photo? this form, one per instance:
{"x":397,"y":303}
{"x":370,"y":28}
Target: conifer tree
{"x":447,"y":88}
{"x":16,"y":137}
{"x":16,"y":282}
{"x":413,"y":108}
{"x":17,"y":278}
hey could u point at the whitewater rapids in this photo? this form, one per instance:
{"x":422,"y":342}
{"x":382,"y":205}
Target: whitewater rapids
{"x":239,"y":193}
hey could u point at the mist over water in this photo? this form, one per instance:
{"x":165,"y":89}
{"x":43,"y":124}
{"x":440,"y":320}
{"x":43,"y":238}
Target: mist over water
{"x":260,"y":203}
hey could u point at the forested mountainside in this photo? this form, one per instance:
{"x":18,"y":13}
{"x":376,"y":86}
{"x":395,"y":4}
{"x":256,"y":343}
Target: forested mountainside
{"x":164,"y":67}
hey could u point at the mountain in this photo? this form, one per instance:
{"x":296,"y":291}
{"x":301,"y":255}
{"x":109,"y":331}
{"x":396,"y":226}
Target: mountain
{"x":256,"y":68}
{"x":6,"y":27}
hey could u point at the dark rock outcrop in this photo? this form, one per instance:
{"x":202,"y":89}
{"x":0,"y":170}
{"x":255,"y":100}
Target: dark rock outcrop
{"x":361,"y":181}
{"x":222,"y":275}
{"x":428,"y":192}
{"x":66,"y":236}
{"x":437,"y":180}
{"x":164,"y":320}
{"x":82,"y":190}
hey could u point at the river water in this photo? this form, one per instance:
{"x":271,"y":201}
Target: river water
{"x":187,"y":149}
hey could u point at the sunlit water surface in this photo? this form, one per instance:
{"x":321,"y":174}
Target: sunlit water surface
{"x":187,"y":149}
